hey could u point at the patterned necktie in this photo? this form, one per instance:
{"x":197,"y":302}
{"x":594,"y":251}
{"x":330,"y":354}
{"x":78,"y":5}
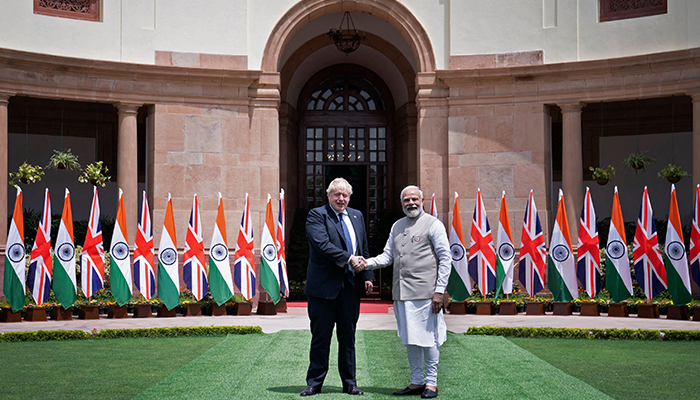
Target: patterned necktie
{"x":348,"y":242}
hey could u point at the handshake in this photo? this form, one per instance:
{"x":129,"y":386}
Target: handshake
{"x":358,"y":263}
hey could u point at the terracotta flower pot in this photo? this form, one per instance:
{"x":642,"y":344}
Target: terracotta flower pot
{"x":35,"y":314}
{"x":242,"y":308}
{"x":88,"y":311}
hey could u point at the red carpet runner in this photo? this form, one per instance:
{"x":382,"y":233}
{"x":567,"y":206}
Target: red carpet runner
{"x":372,"y":306}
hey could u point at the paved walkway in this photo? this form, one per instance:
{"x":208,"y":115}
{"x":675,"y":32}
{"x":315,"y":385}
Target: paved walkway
{"x":296,"y":319}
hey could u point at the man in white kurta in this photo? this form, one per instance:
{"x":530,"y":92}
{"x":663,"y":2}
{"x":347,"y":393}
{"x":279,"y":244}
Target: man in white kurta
{"x":418,"y":249}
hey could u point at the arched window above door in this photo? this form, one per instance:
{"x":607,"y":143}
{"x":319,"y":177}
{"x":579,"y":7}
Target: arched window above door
{"x":345,"y":92}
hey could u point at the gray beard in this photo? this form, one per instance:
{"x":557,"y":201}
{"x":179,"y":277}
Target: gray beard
{"x":415,"y":213}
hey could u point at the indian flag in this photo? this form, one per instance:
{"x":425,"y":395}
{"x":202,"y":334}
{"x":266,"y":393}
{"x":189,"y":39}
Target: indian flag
{"x":460,"y":283}
{"x":618,"y":279}
{"x":675,"y":259}
{"x":561,"y":273}
{"x":505,"y":252}
{"x":120,"y":263}
{"x":168,"y":274}
{"x":15,"y":265}
{"x":220,"y":279}
{"x":269,"y":274}
{"x":64,"y":280}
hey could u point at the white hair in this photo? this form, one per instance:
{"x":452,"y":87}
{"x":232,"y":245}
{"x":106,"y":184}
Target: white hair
{"x":411,"y":187}
{"x":339,"y":184}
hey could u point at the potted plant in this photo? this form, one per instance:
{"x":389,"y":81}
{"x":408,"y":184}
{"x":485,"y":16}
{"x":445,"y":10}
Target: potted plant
{"x":673,"y":173}
{"x":638,"y":160}
{"x":95,"y":173}
{"x":603,"y":175}
{"x":26,"y":173}
{"x":63,"y":159}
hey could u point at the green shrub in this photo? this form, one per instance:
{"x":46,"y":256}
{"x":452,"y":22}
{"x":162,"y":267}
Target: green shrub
{"x":41,"y":336}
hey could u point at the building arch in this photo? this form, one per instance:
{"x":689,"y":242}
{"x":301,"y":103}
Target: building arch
{"x":395,"y":13}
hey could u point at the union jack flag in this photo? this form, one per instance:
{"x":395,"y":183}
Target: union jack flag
{"x":282,"y":258}
{"x":193,"y":271}
{"x":482,"y":252}
{"x":694,"y":239}
{"x":144,"y":274}
{"x":533,"y":253}
{"x":92,"y":264}
{"x":244,"y":264}
{"x":648,"y":264}
{"x":40,"y":268}
{"x":433,"y":207}
{"x":588,"y":253}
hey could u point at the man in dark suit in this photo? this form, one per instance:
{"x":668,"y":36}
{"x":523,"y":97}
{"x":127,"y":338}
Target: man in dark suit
{"x":337,"y":239}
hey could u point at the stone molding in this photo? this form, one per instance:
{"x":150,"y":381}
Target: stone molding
{"x":499,"y":60}
{"x":652,"y":75}
{"x":391,"y":11}
{"x":41,"y":75}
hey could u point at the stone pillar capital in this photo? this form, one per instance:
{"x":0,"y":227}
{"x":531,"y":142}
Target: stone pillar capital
{"x":128,"y":108}
{"x":695,"y":96}
{"x":571,"y":107}
{"x":5,"y":97}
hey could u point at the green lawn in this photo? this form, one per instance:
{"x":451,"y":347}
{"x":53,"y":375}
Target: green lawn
{"x":273,"y":366}
{"x":625,"y":369}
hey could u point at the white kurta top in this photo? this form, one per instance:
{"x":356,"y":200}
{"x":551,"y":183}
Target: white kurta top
{"x":416,"y":323}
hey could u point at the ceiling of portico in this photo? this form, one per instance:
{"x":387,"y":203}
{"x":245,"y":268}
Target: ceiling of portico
{"x":384,"y":51}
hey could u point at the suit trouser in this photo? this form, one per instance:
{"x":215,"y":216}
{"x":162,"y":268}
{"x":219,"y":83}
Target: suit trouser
{"x":341,"y":313}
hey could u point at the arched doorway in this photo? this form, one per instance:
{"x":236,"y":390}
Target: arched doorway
{"x":345,"y":125}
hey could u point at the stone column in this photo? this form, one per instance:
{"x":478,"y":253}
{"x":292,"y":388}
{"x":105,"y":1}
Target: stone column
{"x":127,"y":170}
{"x":696,"y":139}
{"x":4,"y":101}
{"x":572,"y":164}
{"x":432,"y":147}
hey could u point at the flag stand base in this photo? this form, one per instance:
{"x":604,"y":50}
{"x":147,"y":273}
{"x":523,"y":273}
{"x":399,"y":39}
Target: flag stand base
{"x":215,"y":309}
{"x":507,"y":308}
{"x":562,"y":308}
{"x":589,"y":309}
{"x":116,"y":311}
{"x":35,"y":314}
{"x":534,"y":308}
{"x":6,"y":315}
{"x":61,"y":314}
{"x":677,"y":312}
{"x":193,"y":310}
{"x":165,"y":313}
{"x":696,"y":313}
{"x":142,"y":311}
{"x":266,"y":308}
{"x":281,"y":306}
{"x":485,"y":308}
{"x":648,"y":311}
{"x":242,"y":308}
{"x":89,"y":311}
{"x":618,"y":310}
{"x":458,"y":308}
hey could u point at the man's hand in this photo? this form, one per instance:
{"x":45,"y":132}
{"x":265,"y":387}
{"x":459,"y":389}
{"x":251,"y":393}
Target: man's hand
{"x":437,"y":302}
{"x":358,"y":263}
{"x":368,"y":287}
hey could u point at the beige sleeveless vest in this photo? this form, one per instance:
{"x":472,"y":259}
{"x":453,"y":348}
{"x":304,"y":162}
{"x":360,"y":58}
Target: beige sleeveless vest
{"x":415,"y":261}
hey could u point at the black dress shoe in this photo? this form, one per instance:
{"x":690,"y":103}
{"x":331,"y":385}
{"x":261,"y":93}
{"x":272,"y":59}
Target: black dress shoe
{"x":310,"y":390}
{"x":354,"y":390}
{"x":428,"y":394}
{"x":408,"y":391}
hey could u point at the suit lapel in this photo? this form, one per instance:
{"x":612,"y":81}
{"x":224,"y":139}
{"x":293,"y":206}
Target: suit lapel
{"x":336,"y":222}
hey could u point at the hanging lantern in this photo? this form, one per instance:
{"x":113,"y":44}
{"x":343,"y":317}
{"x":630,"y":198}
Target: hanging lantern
{"x":346,"y":40}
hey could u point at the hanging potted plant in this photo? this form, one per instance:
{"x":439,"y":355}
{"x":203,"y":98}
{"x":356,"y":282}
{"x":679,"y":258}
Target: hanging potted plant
{"x":64,"y":159}
{"x":638,"y":160}
{"x":603,"y":175}
{"x":26,"y":173}
{"x":95,"y":173}
{"x":673,"y":173}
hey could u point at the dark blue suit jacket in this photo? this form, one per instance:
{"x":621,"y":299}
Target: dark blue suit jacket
{"x":327,"y":255}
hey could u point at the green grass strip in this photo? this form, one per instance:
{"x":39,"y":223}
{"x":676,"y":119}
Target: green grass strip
{"x":274,"y":367}
{"x":583,"y":333}
{"x":98,"y":369}
{"x":625,"y":370}
{"x":42,"y":336}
